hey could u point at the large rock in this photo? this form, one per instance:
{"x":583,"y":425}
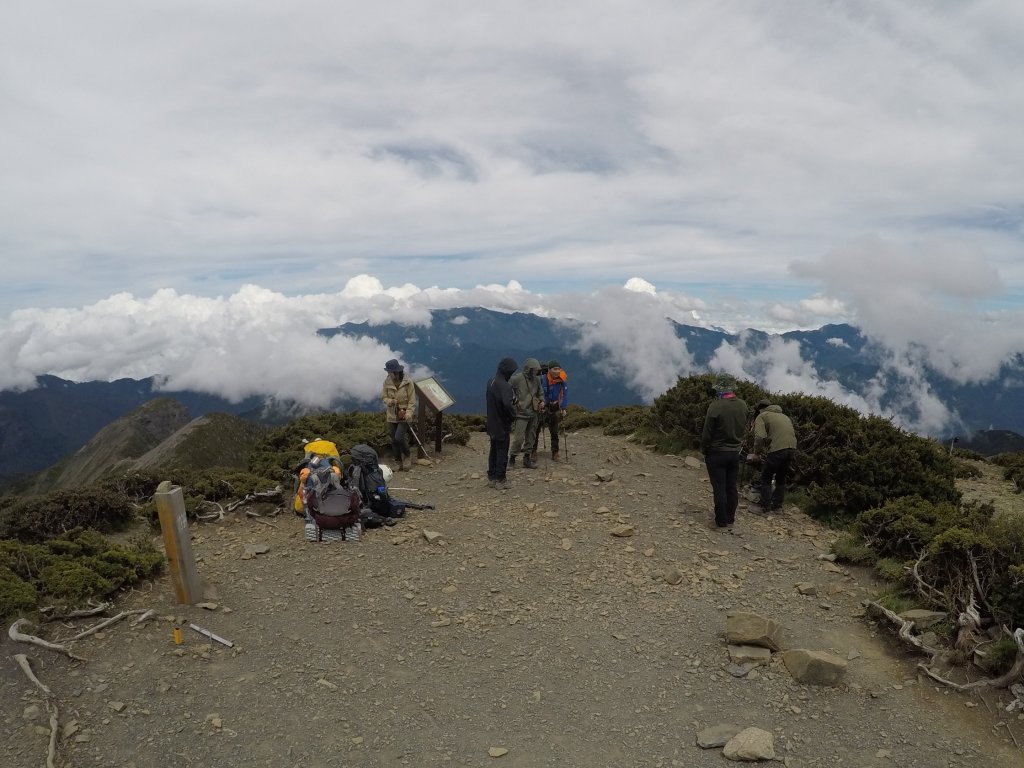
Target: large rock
{"x":750,"y":745}
{"x":716,"y":736}
{"x":922,"y":618}
{"x":750,"y":654}
{"x":814,"y":667}
{"x":750,"y":629}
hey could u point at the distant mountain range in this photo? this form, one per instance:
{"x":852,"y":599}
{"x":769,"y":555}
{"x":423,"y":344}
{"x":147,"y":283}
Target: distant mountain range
{"x":462,"y":346}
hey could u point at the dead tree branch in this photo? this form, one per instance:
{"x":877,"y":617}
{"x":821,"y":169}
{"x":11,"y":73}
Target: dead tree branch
{"x":107,"y":623}
{"x":17,"y":636}
{"x":905,"y":628}
{"x":1003,"y":681}
{"x":218,"y":515}
{"x":51,"y":707}
{"x":76,"y":614}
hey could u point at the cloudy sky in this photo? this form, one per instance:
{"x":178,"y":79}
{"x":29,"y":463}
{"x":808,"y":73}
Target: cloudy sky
{"x":175,"y":169}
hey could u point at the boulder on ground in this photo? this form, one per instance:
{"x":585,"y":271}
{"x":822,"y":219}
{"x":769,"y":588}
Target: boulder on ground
{"x":750,"y":629}
{"x":750,"y":745}
{"x":923,"y":618}
{"x":814,"y":667}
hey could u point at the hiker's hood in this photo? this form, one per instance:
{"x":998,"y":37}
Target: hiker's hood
{"x":507,"y":367}
{"x":772,"y":409}
{"x":531,"y":366}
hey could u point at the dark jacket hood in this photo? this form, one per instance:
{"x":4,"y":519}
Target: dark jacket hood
{"x":507,"y":367}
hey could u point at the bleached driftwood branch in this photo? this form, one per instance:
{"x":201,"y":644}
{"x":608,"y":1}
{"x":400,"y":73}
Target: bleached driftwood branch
{"x":79,"y":613}
{"x":256,"y":496}
{"x":1003,"y":681}
{"x":108,"y":622}
{"x":218,"y":515}
{"x":905,"y":628}
{"x":19,"y":637}
{"x":51,"y":707}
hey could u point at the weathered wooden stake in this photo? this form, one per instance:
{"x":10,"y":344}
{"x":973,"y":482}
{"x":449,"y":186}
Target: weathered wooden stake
{"x":170,"y":506}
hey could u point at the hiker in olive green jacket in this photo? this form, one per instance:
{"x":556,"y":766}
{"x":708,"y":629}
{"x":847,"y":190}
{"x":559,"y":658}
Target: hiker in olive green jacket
{"x":775,"y":443}
{"x":529,"y":402}
{"x":724,"y":427}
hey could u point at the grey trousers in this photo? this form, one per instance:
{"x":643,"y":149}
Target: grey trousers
{"x":524,"y":434}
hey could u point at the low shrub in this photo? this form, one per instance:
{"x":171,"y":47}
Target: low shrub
{"x":37,"y":518}
{"x":70,"y":569}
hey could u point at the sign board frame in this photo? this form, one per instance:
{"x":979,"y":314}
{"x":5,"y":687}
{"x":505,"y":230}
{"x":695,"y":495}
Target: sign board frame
{"x":434,"y":393}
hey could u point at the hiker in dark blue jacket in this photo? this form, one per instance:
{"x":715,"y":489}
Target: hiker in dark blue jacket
{"x":556,"y":400}
{"x":501,"y":413}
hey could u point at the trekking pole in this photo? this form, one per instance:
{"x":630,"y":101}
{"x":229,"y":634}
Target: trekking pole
{"x":416,"y":438}
{"x":565,"y":442}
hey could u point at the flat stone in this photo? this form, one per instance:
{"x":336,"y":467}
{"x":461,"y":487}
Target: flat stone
{"x":673,"y":576}
{"x":814,"y":667}
{"x":432,"y":537}
{"x":750,"y":654}
{"x":257,"y":549}
{"x":716,"y":736}
{"x":693,"y":462}
{"x":806,"y":588}
{"x":623,"y":531}
{"x":922,"y":618}
{"x":750,"y":745}
{"x":751,"y":629}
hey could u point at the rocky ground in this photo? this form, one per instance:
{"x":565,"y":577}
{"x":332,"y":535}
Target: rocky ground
{"x":526,"y":634}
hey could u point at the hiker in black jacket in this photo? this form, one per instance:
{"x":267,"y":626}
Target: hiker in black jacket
{"x":501,"y":413}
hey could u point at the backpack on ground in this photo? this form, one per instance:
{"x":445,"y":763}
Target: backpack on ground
{"x":319,"y":450}
{"x":366,"y":476}
{"x":329,"y":503}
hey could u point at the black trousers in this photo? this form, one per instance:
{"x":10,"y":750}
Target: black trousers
{"x":724,"y":471}
{"x":399,"y":433}
{"x":497,"y":458}
{"x":776,"y":467}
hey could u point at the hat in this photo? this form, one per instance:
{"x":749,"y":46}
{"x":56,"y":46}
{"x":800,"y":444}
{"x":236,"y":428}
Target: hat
{"x":724,"y":383}
{"x":762,"y":404}
{"x":554,"y":364}
{"x":393,"y":366}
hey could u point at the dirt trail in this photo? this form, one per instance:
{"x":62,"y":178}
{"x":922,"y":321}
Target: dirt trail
{"x":528,"y":627}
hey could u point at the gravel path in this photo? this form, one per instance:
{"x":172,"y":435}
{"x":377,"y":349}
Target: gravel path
{"x":527,"y":627}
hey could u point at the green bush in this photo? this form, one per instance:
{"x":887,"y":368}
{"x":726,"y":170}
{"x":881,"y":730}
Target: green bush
{"x":617,"y":420}
{"x":892,"y":571}
{"x":70,"y":569}
{"x":16,"y":595}
{"x":850,"y":548}
{"x":36,"y":518}
{"x":848,"y":463}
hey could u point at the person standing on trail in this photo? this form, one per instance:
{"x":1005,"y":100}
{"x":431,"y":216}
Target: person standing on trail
{"x":724,"y":426}
{"x":529,"y":402}
{"x":501,"y":413}
{"x":775,"y":442}
{"x":399,"y":396}
{"x":556,"y":400}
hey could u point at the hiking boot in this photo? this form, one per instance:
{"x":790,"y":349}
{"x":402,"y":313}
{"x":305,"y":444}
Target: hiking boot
{"x":502,"y":485}
{"x":529,"y":463}
{"x":533,"y":458}
{"x":512,"y":461}
{"x":554,"y":455}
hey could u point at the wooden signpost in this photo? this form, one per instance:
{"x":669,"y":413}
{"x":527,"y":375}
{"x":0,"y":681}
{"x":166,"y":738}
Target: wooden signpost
{"x":433,"y":396}
{"x":170,"y":507}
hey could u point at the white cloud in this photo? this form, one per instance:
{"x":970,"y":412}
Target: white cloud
{"x":169,"y":146}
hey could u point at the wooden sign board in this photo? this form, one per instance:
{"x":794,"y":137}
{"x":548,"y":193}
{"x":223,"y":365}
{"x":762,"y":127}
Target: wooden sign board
{"x":435,"y":394}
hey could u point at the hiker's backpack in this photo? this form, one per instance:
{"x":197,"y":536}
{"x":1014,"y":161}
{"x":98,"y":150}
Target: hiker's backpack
{"x":366,"y":475}
{"x":329,"y":502}
{"x":316,"y":449}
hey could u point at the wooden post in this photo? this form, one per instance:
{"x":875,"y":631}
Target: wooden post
{"x":437,"y":432}
{"x":170,"y":507}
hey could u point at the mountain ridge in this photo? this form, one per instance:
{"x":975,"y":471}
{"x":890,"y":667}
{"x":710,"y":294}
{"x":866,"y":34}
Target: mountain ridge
{"x":462,"y":347}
